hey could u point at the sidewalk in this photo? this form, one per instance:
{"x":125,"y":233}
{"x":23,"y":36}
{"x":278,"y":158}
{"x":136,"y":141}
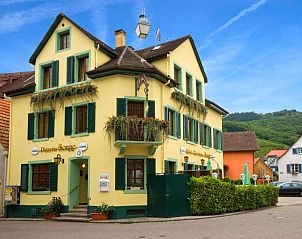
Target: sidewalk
{"x":282,"y":202}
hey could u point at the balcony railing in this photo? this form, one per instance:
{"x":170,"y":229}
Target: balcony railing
{"x":132,"y":128}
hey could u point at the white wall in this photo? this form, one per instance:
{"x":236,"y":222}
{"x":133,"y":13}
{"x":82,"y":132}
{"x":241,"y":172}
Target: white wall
{"x":290,"y":158}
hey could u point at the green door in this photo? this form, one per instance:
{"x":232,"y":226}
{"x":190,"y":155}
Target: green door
{"x":74,"y":183}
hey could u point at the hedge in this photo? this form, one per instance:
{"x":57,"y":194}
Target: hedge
{"x":208,"y":196}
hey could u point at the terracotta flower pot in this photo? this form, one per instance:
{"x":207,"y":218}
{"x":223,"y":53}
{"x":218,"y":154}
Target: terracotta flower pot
{"x":49,"y":216}
{"x":98,"y":216}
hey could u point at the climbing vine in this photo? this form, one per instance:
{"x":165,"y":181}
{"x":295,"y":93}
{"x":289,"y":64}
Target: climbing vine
{"x":52,"y":96}
{"x":193,"y":105}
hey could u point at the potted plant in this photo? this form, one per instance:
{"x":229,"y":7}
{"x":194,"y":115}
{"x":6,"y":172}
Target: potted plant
{"x":53,"y":208}
{"x":102,"y":212}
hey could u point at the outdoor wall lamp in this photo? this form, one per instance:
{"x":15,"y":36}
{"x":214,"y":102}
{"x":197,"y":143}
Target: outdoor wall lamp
{"x":143,"y":27}
{"x":58,"y":159}
{"x":215,"y":175}
{"x":255,"y":176}
{"x":202,"y":161}
{"x":186,"y":159}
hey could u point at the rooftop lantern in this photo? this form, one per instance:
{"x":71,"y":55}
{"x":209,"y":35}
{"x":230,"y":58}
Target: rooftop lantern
{"x":143,"y":27}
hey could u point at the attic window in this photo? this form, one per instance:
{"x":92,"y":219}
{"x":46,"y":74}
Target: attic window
{"x":156,"y":48}
{"x":63,"y":40}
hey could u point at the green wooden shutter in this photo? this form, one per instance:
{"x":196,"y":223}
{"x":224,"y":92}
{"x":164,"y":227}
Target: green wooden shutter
{"x":178,"y":127}
{"x":121,"y":107}
{"x":300,"y":168}
{"x":295,"y":151}
{"x":288,"y":168}
{"x":166,"y":166}
{"x":68,"y":120}
{"x":210,"y":136}
{"x":120,"y":174}
{"x":55,"y":73}
{"x":201,"y":136}
{"x":151,"y":111}
{"x":195,"y":131}
{"x":151,"y":166}
{"x":185,"y":123}
{"x":53,"y":177}
{"x":51,"y":124}
{"x":70,"y":69}
{"x":166,"y":113}
{"x":215,"y":139}
{"x":91,"y":117}
{"x":31,"y":126}
{"x":186,"y":167}
{"x":24,"y":177}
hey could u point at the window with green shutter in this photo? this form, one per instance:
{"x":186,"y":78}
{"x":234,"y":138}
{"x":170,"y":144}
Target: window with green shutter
{"x":206,"y":135}
{"x":49,"y":75}
{"x":185,"y":127}
{"x":70,"y":70}
{"x":80,"y":119}
{"x":41,"y":125}
{"x":170,"y":167}
{"x":173,"y":117}
{"x":55,"y":74}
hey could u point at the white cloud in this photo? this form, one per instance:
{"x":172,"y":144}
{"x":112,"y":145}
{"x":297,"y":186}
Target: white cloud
{"x":207,"y":42}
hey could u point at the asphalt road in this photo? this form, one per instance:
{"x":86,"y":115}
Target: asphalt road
{"x":278,"y":222}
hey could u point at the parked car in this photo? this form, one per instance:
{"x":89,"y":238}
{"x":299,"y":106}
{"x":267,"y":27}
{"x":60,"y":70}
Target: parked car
{"x":277,"y":183}
{"x":290,"y":189}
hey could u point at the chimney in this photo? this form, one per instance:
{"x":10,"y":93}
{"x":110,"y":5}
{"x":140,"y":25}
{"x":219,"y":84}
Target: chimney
{"x":120,"y":38}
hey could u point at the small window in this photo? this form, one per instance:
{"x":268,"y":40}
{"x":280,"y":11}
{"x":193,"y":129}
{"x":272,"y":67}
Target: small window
{"x":136,"y":108}
{"x":47,"y":77}
{"x":82,"y":68}
{"x":188,"y":84}
{"x":135,"y":174}
{"x":64,"y":40}
{"x":177,"y":76}
{"x":294,"y":168}
{"x":40,"y":177}
{"x":81,"y":119}
{"x":198,"y":91}
{"x":42,"y":125}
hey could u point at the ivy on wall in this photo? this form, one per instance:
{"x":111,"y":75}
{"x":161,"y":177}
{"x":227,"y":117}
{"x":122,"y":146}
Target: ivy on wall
{"x":193,"y":105}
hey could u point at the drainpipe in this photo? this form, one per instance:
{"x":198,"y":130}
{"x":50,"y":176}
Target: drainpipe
{"x":5,"y":153}
{"x":96,"y":47}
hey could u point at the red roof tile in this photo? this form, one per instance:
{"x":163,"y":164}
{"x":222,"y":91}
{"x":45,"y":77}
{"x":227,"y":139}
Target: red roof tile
{"x":4,"y":122}
{"x":277,"y":153}
{"x":240,"y":141}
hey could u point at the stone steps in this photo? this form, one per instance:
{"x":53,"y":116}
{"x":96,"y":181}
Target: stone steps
{"x":76,"y":214}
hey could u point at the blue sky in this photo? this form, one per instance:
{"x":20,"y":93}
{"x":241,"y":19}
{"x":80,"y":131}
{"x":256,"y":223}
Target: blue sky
{"x":251,"y":49}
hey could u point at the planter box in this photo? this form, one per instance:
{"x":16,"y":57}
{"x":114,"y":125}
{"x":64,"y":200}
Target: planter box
{"x":98,"y":216}
{"x":49,"y":216}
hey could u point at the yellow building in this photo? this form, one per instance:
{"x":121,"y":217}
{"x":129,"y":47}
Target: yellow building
{"x":108,"y":128}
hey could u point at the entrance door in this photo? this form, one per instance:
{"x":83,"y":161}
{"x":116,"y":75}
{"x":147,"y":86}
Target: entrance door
{"x":78,"y":182}
{"x":83,"y":183}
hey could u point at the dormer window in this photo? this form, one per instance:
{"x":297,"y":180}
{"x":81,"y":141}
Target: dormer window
{"x":63,"y":40}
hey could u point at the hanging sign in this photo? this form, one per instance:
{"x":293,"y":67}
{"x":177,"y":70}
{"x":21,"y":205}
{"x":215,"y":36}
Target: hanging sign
{"x":79,"y":153}
{"x":182,"y":150}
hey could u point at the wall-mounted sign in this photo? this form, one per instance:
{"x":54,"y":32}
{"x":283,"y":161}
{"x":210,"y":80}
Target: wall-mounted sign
{"x":34,"y":150}
{"x":79,"y":153}
{"x":83,"y":146}
{"x":60,"y":147}
{"x":12,"y":195}
{"x":182,"y":150}
{"x":104,"y":182}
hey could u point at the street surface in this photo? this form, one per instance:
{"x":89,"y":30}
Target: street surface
{"x":277,"y":223}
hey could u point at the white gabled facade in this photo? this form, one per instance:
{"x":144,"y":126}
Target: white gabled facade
{"x":290,"y":164}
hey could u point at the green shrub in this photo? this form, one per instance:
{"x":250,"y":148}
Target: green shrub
{"x":208,"y":195}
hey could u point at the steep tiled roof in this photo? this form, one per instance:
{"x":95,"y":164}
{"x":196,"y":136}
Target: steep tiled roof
{"x":240,"y":141}
{"x":160,"y":51}
{"x":4,"y":122}
{"x":277,"y":152}
{"x":27,"y":80}
{"x":103,"y":47}
{"x":8,"y":80}
{"x":129,"y":60}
